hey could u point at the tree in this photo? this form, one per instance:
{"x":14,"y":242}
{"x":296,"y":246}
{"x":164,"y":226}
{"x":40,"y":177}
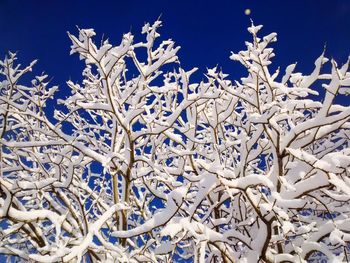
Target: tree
{"x":140,"y":165}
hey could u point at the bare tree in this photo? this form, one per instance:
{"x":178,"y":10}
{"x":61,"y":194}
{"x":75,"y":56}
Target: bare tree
{"x":139,"y":164}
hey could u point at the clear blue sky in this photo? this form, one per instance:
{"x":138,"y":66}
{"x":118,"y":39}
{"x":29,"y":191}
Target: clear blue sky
{"x":206,"y":30}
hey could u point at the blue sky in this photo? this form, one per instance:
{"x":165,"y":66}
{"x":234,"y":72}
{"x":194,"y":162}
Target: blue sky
{"x":207,"y":31}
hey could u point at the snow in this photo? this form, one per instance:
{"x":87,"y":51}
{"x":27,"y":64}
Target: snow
{"x":154,"y":166}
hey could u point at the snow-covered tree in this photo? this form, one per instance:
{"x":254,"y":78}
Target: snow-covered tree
{"x":141,"y":164}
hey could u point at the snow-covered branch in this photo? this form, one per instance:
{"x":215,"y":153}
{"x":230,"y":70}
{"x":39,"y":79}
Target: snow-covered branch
{"x":141,"y":164}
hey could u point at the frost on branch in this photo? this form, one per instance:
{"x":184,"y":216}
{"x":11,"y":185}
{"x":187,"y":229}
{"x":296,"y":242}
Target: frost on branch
{"x":142,"y":164}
